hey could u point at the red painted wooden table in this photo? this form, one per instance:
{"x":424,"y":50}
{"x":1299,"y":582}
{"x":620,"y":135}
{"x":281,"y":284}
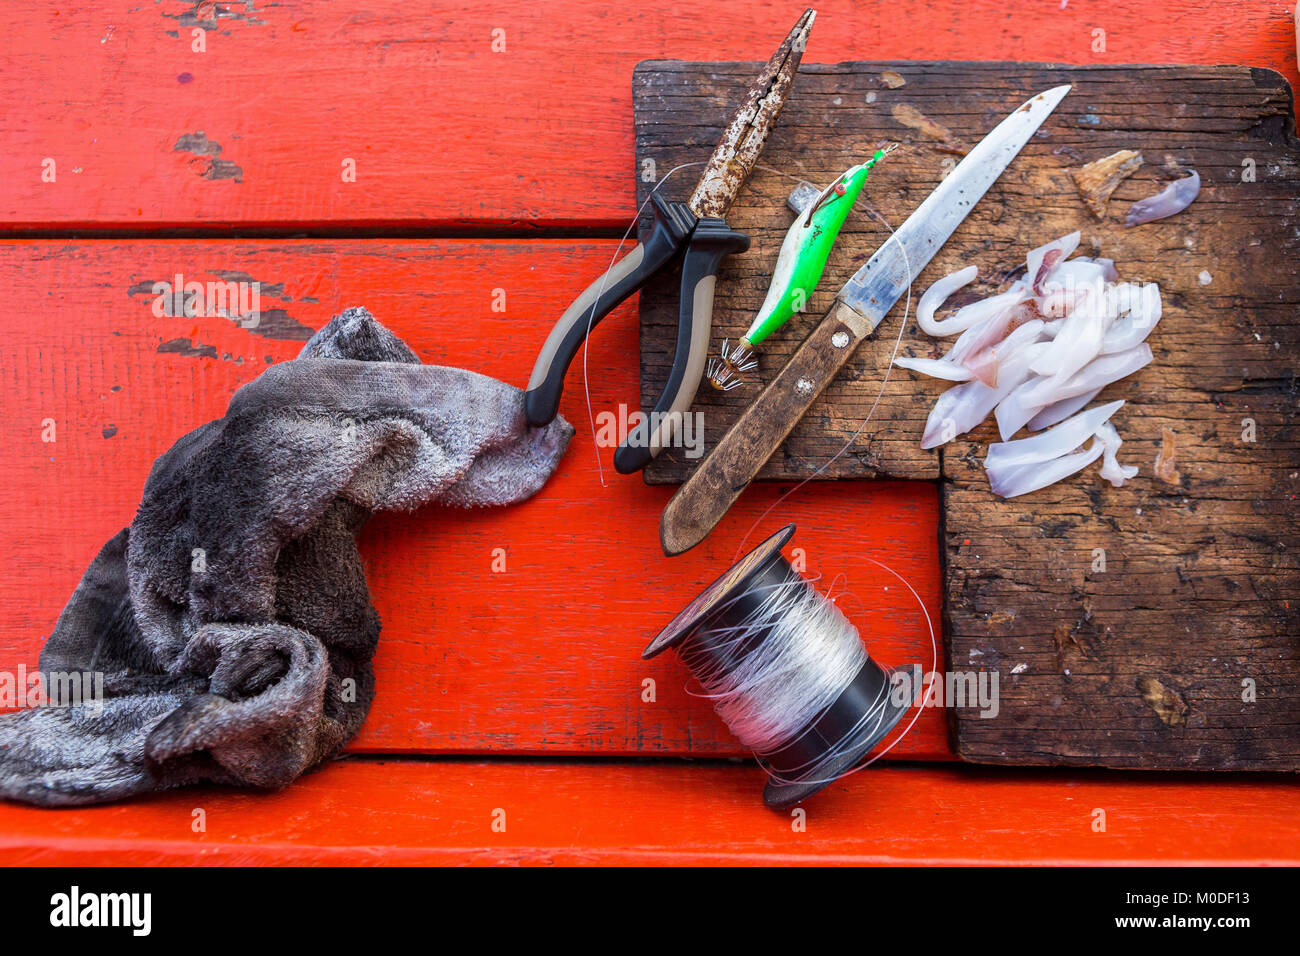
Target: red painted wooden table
{"x":493,"y":153}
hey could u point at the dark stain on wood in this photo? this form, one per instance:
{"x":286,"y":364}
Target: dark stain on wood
{"x":207,"y":163}
{"x":274,"y":323}
{"x":1157,"y":623}
{"x":187,"y":347}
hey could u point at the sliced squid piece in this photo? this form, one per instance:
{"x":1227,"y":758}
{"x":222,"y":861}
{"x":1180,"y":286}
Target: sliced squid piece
{"x":1070,"y":285}
{"x":1139,"y":308}
{"x":1059,"y":411}
{"x":1080,"y":272}
{"x":1041,"y":261}
{"x":985,"y":364}
{"x":1051,"y":327}
{"x":1099,"y":372}
{"x":961,"y":408}
{"x":990,"y":328}
{"x":1174,"y":198}
{"x":1026,"y":334}
{"x":999,"y":315}
{"x":1059,"y":302}
{"x":983,"y":367}
{"x":936,"y":368}
{"x":1108,"y":269}
{"x":1075,"y":344}
{"x":1022,"y":479}
{"x":1035,"y":394}
{"x":1053,"y":443}
{"x":1038,"y":354}
{"x":1111,"y":469}
{"x":935,"y":297}
{"x":1014,"y":410}
{"x":978,"y":314}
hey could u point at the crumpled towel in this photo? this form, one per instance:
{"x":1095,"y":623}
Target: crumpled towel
{"x":231,"y":620}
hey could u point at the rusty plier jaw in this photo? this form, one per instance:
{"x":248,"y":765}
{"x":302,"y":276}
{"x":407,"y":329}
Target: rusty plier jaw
{"x":736,"y":153}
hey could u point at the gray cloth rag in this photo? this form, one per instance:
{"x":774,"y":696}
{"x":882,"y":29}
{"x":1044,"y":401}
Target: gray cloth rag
{"x":231,"y":621}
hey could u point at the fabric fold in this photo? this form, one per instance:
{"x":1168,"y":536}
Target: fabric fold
{"x":231,"y":623}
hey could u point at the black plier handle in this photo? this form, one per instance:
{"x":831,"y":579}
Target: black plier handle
{"x":706,"y":242}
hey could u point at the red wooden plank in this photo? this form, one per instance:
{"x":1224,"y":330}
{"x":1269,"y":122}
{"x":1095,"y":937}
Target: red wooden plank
{"x":541,"y":658}
{"x":413,"y":812}
{"x":444,"y":129}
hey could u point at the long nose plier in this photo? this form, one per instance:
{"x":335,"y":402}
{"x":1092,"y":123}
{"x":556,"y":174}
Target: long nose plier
{"x":698,"y":228}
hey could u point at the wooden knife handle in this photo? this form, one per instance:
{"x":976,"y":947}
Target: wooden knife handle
{"x":738,"y":456}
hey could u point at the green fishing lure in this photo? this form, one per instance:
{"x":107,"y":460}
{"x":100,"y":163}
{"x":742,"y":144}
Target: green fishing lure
{"x":799,"y":268}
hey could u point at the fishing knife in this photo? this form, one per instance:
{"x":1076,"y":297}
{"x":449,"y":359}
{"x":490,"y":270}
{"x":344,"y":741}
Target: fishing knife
{"x":859,"y":308}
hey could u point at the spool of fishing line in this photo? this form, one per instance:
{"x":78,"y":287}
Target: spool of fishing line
{"x":788,"y":673}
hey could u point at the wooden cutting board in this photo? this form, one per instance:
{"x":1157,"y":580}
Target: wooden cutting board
{"x":1154,"y":625}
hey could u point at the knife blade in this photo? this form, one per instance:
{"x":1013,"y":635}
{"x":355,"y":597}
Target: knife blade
{"x":860,"y":306}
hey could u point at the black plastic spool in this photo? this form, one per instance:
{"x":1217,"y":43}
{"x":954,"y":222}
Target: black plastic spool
{"x":729,"y":601}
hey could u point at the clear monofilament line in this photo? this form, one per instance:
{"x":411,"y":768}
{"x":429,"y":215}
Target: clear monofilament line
{"x":772,"y":674}
{"x":875,"y":714}
{"x":868,"y":727}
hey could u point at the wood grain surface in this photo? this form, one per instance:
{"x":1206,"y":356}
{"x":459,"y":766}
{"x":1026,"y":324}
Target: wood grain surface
{"x":237,"y":116}
{"x":1181,"y":652}
{"x":406,"y":812}
{"x":543,"y":656}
